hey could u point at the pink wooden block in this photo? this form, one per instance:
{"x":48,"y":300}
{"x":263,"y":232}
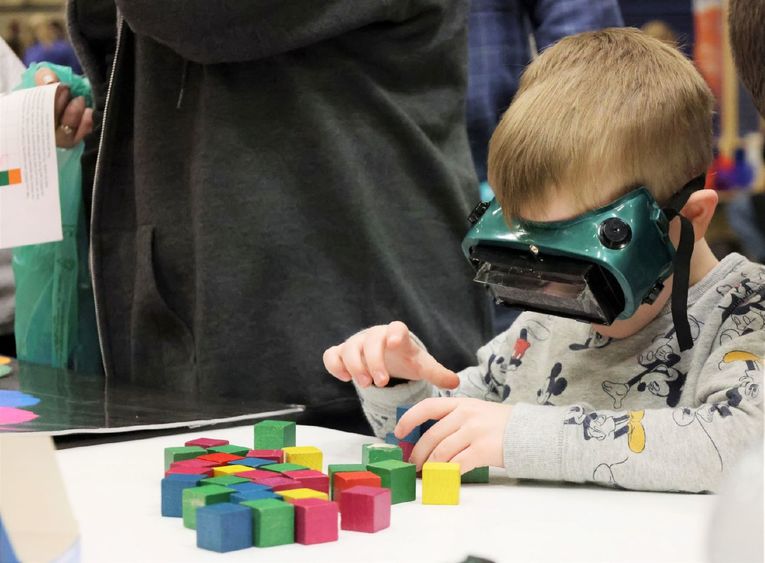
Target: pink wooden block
{"x":311,"y":479}
{"x":280,"y":483}
{"x":256,"y":475}
{"x":190,"y":470}
{"x":206,"y":443}
{"x":406,"y":449}
{"x":315,"y":520}
{"x":277,"y":456}
{"x":365,"y":509}
{"x":195,"y":462}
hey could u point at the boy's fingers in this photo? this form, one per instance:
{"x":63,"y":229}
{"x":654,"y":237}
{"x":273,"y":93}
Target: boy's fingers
{"x":466,"y":459}
{"x":435,"y":408}
{"x":397,"y":337}
{"x":438,"y":375}
{"x":448,"y":448}
{"x":350,"y":354}
{"x":70,"y":122}
{"x":433,"y":441}
{"x":45,"y":76}
{"x":374,"y":356}
{"x":334,"y":364}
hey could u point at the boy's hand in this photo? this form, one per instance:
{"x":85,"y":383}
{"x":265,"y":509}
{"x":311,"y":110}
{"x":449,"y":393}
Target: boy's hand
{"x":73,"y":120}
{"x":469,"y":431}
{"x":379,"y":352}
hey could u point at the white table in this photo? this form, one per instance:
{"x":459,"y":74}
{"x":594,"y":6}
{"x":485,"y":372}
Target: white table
{"x":115,"y":493}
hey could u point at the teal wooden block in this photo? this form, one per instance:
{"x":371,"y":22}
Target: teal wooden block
{"x":398,"y":476}
{"x":477,"y":475}
{"x":273,"y":522}
{"x":195,"y":497}
{"x":339,"y":468}
{"x":372,"y":453}
{"x":180,"y":453}
{"x":274,"y":434}
{"x":229,"y":449}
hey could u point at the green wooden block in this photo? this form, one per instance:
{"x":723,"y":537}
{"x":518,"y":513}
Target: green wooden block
{"x":224,"y":480}
{"x":283,"y":467}
{"x":229,"y":449}
{"x":477,"y":475}
{"x":273,"y":522}
{"x":372,"y":453}
{"x":195,"y":497}
{"x":5,"y":178}
{"x":340,"y":468}
{"x":398,"y":476}
{"x":182,"y":452}
{"x":274,"y":434}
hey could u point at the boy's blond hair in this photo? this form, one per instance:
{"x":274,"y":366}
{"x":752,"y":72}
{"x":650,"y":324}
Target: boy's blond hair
{"x":600,"y":113}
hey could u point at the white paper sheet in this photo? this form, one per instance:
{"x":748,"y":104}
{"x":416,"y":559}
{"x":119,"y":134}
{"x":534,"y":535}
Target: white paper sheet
{"x":30,"y":209}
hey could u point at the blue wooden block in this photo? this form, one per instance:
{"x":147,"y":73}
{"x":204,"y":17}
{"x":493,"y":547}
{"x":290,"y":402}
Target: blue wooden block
{"x":172,"y":491}
{"x":415,"y":434}
{"x":238,"y":498}
{"x":224,"y":527}
{"x":253,"y":462}
{"x":400,"y":410}
{"x":390,"y":438}
{"x":247,"y":487}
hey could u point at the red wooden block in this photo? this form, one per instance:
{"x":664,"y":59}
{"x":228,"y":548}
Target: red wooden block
{"x":220,"y":458}
{"x":406,"y":449}
{"x":195,"y":462}
{"x":256,"y":475}
{"x":315,"y":520}
{"x":192,"y":470}
{"x":365,"y":509}
{"x":280,"y":483}
{"x":311,"y":479}
{"x":276,"y":455}
{"x":206,"y":442}
{"x":350,"y":479}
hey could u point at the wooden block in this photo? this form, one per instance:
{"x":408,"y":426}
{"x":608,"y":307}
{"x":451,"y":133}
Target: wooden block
{"x":316,"y":521}
{"x":225,"y":480}
{"x":310,"y":479}
{"x":440,"y":483}
{"x":196,"y":497}
{"x":477,"y":475}
{"x":427,"y":425}
{"x":365,"y":509}
{"x":243,"y":496}
{"x":274,"y":434}
{"x":276,"y":456}
{"x":406,"y":450}
{"x":172,"y":492}
{"x":282,"y":467}
{"x":230,"y":470}
{"x":207,"y":471}
{"x":398,"y":476}
{"x":220,"y":458}
{"x":256,"y":475}
{"x":346,"y":480}
{"x":273,"y":522}
{"x":230,"y":449}
{"x":342,"y":468}
{"x":372,"y":453}
{"x":196,"y":462}
{"x":294,"y":494}
{"x":252,"y":462}
{"x":224,"y":527}
{"x":280,"y":483}
{"x":308,"y":456}
{"x":248,"y":486}
{"x":414,"y":435}
{"x":182,"y":452}
{"x":206,"y":443}
{"x":390,"y":438}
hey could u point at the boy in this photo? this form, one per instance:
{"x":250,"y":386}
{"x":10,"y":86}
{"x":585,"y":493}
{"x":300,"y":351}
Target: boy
{"x":597,"y":115}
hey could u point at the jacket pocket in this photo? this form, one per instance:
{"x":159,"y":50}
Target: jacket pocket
{"x":162,"y":345}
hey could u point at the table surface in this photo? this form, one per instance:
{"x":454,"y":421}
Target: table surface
{"x":115,"y":493}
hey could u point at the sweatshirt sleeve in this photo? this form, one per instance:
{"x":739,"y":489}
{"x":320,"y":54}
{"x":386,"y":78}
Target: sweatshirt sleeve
{"x":671,"y":449}
{"x":221,"y":31}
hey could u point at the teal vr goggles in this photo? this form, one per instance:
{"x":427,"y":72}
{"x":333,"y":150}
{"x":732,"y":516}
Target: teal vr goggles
{"x":597,"y":267}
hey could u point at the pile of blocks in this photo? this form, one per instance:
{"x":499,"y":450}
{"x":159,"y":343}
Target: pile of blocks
{"x":276,"y":493}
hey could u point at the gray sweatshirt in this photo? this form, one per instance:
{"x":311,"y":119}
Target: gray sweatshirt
{"x":634,"y":413}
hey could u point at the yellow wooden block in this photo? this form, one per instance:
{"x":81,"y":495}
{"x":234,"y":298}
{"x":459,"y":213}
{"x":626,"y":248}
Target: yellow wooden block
{"x":440,"y":483}
{"x":229,"y":470}
{"x":308,"y":456}
{"x":295,"y":494}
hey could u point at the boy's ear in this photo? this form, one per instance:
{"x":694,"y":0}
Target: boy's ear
{"x":699,"y":210}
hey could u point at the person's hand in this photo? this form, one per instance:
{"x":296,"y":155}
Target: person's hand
{"x":72,"y":119}
{"x":469,"y":431}
{"x":379,"y":352}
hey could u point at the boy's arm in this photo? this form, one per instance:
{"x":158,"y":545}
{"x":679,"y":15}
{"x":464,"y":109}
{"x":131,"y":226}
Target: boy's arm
{"x":379,"y":403}
{"x":680,"y":449}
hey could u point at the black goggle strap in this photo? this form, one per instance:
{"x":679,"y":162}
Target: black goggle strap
{"x":682,"y":262}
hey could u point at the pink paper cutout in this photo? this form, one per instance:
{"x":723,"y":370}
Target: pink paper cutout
{"x":11,"y":415}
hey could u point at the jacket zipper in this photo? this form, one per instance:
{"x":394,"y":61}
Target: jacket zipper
{"x":96,"y":182}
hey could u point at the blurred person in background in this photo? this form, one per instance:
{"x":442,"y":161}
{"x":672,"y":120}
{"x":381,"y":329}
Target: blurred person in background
{"x":50,"y":46}
{"x":661,"y":31}
{"x":13,"y":38}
